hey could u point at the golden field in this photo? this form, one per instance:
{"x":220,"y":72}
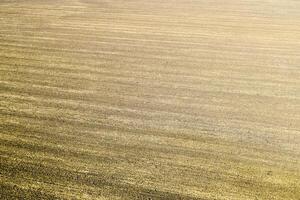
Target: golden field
{"x":178,"y":99}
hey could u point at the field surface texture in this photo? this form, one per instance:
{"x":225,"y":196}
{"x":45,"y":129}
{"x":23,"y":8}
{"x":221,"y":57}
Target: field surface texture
{"x":160,"y":99}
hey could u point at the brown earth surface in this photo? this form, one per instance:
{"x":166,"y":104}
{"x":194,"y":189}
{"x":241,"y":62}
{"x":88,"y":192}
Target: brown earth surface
{"x":137,"y":99}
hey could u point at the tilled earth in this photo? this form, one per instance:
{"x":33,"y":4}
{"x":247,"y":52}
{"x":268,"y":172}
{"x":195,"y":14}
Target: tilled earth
{"x":177,"y":99}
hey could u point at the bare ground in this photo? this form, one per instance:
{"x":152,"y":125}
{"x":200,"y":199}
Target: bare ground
{"x":104,"y":99}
